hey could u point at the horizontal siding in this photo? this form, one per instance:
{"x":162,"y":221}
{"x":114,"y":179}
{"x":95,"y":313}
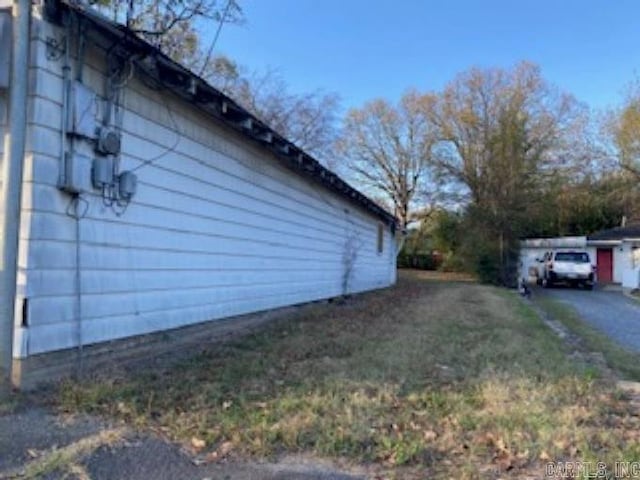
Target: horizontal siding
{"x":218,"y":227}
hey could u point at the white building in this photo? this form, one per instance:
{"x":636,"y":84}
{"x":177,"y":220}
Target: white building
{"x":618,"y":255}
{"x":150,"y":201}
{"x":614,"y":252}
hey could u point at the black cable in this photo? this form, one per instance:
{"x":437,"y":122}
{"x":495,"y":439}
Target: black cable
{"x":215,"y":38}
{"x":169,"y":150}
{"x":75,"y":203}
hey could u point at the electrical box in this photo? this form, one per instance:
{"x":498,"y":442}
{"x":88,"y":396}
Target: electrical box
{"x":127,"y":185}
{"x":5,"y":48}
{"x":108,"y":141}
{"x":83,"y":111}
{"x":76,"y":174}
{"x":102,"y":172}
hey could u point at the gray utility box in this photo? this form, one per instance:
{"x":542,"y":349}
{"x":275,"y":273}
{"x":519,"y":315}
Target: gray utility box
{"x":77,"y":174}
{"x":108,"y":142}
{"x":127,"y":185}
{"x":102,"y":174}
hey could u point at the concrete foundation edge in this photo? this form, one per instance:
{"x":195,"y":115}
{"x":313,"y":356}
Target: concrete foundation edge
{"x":44,"y":369}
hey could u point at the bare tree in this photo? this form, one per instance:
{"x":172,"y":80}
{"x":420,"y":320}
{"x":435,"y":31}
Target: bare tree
{"x":308,"y":119}
{"x":388,"y":150}
{"x":170,"y":25}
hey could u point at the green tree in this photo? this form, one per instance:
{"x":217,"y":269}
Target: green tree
{"x":586,"y":205}
{"x":625,"y":126}
{"x":502,"y":134}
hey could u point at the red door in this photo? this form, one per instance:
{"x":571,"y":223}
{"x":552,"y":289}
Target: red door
{"x":605,"y":265}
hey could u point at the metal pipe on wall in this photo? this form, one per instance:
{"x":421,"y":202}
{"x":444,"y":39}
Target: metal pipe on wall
{"x":10,"y":200}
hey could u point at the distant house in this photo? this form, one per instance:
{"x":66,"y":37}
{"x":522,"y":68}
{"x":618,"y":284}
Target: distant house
{"x":615,"y":253}
{"x":150,"y":201}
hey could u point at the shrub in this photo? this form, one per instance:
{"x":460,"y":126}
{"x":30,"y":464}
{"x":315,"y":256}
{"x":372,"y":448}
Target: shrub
{"x":419,"y":261}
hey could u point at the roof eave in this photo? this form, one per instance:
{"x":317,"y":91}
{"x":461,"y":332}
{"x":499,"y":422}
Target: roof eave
{"x":195,"y":90}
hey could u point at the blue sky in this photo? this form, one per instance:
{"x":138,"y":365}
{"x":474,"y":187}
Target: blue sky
{"x":379,"y":48}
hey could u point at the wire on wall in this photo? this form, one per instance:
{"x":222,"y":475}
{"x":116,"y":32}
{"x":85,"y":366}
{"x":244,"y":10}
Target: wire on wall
{"x":169,"y":150}
{"x":120,"y":73}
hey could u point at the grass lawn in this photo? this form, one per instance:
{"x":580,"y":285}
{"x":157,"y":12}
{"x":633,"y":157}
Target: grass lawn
{"x":429,"y":379}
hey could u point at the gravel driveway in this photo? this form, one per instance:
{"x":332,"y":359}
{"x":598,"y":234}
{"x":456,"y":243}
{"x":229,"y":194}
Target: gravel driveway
{"x":611,"y":312}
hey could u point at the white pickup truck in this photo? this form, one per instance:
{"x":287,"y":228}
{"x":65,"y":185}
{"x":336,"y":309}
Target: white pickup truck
{"x":571,"y":267}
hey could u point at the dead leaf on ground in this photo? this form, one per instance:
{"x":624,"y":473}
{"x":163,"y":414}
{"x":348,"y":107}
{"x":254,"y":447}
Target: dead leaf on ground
{"x":430,"y":435}
{"x":198,"y":443}
{"x":220,"y":453}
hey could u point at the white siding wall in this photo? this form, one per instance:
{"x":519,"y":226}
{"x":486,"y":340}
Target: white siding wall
{"x":620,"y":262}
{"x":3,"y":124}
{"x":631,"y":272}
{"x":217,"y":228}
{"x":4,"y":92}
{"x":593,"y":255}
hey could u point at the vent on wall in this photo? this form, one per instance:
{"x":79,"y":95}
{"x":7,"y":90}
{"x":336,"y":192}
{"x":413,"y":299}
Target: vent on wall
{"x":5,"y":48}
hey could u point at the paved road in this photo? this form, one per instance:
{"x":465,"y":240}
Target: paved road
{"x":137,"y":456}
{"x":611,"y":312}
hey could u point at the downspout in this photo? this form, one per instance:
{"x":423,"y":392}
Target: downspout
{"x":12,"y":182}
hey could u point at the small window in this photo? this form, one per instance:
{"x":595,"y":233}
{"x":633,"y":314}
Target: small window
{"x":380,"y":238}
